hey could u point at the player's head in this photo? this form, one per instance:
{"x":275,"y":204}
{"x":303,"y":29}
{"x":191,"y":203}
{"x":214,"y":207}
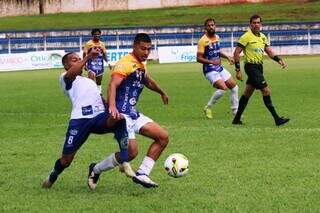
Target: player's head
{"x":69,"y":59}
{"x":96,"y":33}
{"x":210,"y":26}
{"x":255,"y":23}
{"x":142,"y":46}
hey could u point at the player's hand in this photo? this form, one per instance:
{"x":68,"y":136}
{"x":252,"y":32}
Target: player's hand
{"x":231,"y":60}
{"x":115,"y":113}
{"x":165,"y":99}
{"x":239,"y":75}
{"x":283,"y":64}
{"x":95,"y":51}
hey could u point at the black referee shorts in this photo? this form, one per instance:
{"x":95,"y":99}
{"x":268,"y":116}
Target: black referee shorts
{"x":255,"y":75}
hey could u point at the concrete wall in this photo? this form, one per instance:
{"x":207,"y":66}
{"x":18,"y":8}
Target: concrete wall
{"x":35,"y":7}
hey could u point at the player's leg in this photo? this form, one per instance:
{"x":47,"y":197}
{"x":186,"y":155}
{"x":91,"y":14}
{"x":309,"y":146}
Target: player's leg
{"x":103,"y":123}
{"x":77,"y":133}
{"x":99,"y":81}
{"x":252,"y":71}
{"x":109,"y":163}
{"x":249,"y":89}
{"x":160,"y":141}
{"x":232,"y":85}
{"x":265,"y":91}
{"x":217,"y":82}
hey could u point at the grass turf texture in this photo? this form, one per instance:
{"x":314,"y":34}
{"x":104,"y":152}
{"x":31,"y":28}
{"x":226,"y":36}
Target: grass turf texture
{"x":287,"y":11}
{"x":257,"y":167}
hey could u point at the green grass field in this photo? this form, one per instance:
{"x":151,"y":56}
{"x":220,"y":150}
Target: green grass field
{"x":285,"y":11}
{"x":257,"y":167}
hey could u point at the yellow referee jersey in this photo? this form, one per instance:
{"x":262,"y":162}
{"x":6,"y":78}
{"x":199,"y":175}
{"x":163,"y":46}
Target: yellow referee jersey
{"x":253,"y":46}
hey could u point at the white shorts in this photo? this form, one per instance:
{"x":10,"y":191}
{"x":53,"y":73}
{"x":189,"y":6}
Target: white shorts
{"x":214,"y":76}
{"x":134,"y":126}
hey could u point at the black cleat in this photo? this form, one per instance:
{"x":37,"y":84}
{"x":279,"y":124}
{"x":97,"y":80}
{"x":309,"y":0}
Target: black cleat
{"x":237,"y":122}
{"x":92,"y":177}
{"x":281,"y":121}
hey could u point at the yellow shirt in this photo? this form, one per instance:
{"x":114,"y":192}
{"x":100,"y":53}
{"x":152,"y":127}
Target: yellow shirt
{"x":253,"y":47}
{"x":210,"y":49}
{"x":127,"y":65}
{"x":91,"y":43}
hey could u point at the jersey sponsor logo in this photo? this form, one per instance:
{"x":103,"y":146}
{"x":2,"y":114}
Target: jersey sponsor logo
{"x":87,"y":110}
{"x":258,"y":50}
{"x":132,"y":101}
{"x":73,"y":131}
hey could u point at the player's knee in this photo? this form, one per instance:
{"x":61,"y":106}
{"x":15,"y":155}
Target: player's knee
{"x":163,"y":138}
{"x":66,"y":161}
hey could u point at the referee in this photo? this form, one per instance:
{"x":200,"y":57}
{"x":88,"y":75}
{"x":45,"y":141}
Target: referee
{"x":253,"y":43}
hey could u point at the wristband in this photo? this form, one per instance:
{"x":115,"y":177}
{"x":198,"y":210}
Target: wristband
{"x":276,"y":58}
{"x":237,"y":65}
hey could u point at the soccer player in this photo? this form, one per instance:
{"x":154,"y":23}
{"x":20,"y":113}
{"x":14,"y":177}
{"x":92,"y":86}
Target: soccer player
{"x":89,"y":115}
{"x":209,"y":54}
{"x":254,"y":43}
{"x":95,"y":66}
{"x":129,"y":76}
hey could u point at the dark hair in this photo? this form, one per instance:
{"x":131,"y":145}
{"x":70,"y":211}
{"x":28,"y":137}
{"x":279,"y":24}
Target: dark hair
{"x":95,"y":30}
{"x":208,"y":20}
{"x":142,"y":37}
{"x":65,"y":58}
{"x":255,"y":16}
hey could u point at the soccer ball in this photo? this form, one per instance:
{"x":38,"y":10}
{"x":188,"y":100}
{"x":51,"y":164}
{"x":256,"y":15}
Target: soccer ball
{"x":177,"y":165}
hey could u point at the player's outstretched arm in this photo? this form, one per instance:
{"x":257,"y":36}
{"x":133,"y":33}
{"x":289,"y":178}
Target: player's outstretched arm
{"x":152,"y":85}
{"x":276,"y":58}
{"x":76,"y":68}
{"x":229,"y":58}
{"x":115,"y":81}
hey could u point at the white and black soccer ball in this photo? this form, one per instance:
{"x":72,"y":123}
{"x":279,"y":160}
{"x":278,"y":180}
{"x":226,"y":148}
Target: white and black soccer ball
{"x":177,"y":165}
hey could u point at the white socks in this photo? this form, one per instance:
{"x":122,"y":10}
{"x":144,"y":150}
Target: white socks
{"x":109,"y":163}
{"x":214,"y":98}
{"x":234,"y":99}
{"x":146,"y":166}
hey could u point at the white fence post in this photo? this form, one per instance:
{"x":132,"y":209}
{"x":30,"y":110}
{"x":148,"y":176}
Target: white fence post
{"x":309,"y":41}
{"x":118,"y":40}
{"x":232,"y":39}
{"x":45,"y":43}
{"x":80,"y":44}
{"x":9,"y":45}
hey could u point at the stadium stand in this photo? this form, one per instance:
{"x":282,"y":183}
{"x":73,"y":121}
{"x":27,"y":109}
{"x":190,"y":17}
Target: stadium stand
{"x":72,"y":40}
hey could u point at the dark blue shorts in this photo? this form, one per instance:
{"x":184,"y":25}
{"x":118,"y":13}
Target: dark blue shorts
{"x":80,"y":129}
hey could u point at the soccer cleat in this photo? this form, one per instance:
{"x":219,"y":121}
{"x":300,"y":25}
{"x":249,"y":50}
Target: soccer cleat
{"x":207,"y":112}
{"x":281,"y":121}
{"x":237,"y":122}
{"x":144,"y":180}
{"x":126,"y":168}
{"x":92,"y":177}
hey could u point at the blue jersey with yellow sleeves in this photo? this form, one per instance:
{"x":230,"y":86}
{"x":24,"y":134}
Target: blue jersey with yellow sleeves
{"x":210,"y":49}
{"x":95,"y":65}
{"x":133,"y":73}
